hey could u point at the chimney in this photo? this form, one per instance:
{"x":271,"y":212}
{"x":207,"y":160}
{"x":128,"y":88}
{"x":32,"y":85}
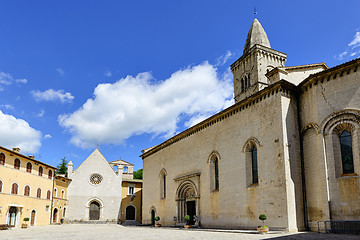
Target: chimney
{"x":31,"y":156}
{"x":16,"y":149}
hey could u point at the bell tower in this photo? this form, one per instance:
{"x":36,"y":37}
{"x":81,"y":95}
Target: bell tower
{"x":258,"y":58}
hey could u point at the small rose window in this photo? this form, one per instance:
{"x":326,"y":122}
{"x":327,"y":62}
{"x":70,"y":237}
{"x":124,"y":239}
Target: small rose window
{"x":95,"y":178}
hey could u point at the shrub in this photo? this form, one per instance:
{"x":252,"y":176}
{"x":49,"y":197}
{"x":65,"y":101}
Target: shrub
{"x":157,"y":218}
{"x":26,"y":219}
{"x":262,"y":217}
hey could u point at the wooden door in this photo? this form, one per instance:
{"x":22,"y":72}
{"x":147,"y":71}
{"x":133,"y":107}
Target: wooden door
{"x":12,"y":216}
{"x":130,"y":213}
{"x":55,"y":215}
{"x":32,"y":219}
{"x":94,"y":213}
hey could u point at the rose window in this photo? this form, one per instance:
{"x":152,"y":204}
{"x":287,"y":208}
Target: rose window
{"x":96,"y":178}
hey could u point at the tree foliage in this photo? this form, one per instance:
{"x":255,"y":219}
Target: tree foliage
{"x":62,"y":167}
{"x":138,"y":174}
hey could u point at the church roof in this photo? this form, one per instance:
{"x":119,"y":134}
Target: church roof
{"x":120,"y":161}
{"x":256,"y":35}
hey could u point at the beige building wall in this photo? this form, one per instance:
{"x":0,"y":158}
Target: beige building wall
{"x":129,"y":199}
{"x":60,"y":202}
{"x":25,"y":205}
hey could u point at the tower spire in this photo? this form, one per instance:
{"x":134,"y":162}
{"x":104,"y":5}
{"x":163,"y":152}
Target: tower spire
{"x":256,"y":35}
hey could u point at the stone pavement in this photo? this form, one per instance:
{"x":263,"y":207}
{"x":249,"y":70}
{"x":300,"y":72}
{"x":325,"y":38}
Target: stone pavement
{"x":113,"y":231}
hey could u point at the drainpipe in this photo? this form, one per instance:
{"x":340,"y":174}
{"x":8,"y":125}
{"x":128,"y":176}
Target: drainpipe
{"x":306,"y":220}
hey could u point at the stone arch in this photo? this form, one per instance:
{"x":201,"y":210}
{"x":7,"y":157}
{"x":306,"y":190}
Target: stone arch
{"x":343,"y":116}
{"x":187,"y":197}
{"x":130,"y":213}
{"x":311,"y":125}
{"x":152,"y":213}
{"x":250,"y":142}
{"x":94,"y":208}
{"x":212,"y":155}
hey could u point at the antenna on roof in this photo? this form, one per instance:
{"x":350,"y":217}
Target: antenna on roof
{"x":255,"y":11}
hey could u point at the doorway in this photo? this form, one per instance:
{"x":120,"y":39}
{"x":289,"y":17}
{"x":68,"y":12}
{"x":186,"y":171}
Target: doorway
{"x":32,"y":218}
{"x":191,"y":211}
{"x":152,"y":217}
{"x":55,"y":215}
{"x":12,"y":216}
{"x":94,"y":213}
{"x":130,"y":213}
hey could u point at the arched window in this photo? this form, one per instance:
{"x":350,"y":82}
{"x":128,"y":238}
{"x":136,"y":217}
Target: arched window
{"x":346,"y":152}
{"x":40,"y":171}
{"x":14,"y":188}
{"x":214,"y":172}
{"x":2,"y":159}
{"x":27,"y":191}
{"x":48,"y":194}
{"x":64,"y":210}
{"x":38,"y":193}
{"x":125,"y":169}
{"x":55,"y":192}
{"x":254,"y":165}
{"x":242,"y":85}
{"x":1,"y":183}
{"x":163,"y":183}
{"x":62,"y":194}
{"x":28,"y":167}
{"x":17,"y":163}
{"x":50,"y":174}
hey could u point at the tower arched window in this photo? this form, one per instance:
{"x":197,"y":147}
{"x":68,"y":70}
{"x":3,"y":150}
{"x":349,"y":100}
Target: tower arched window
{"x":163,"y":183}
{"x":1,"y":184}
{"x":48,"y":194}
{"x":2,"y":159}
{"x":125,"y":169}
{"x":27,"y":191}
{"x":50,"y":174}
{"x":346,"y":152}
{"x":55,"y":192}
{"x":41,"y":170}
{"x":17,"y":163}
{"x":214,"y":172}
{"x":62,"y":194}
{"x":28,"y":167}
{"x":14,"y":188}
{"x":38,"y":193}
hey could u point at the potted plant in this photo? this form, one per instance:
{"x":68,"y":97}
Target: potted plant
{"x":262,"y":229}
{"x":188,"y":222}
{"x":157,"y":219}
{"x":24,"y":225}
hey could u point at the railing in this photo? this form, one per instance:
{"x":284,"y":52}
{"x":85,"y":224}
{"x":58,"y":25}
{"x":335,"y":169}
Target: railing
{"x":350,"y":227}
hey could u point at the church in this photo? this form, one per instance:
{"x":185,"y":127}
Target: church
{"x":288,"y":148}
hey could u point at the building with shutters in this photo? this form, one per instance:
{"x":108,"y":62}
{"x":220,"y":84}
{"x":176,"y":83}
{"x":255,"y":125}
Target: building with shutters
{"x":288,"y":148}
{"x":60,"y":202}
{"x":25,"y":189}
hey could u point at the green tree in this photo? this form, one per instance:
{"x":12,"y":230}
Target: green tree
{"x":62,"y":167}
{"x":138,"y":174}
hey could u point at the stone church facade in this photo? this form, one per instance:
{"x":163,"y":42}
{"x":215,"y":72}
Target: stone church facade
{"x":288,"y":148}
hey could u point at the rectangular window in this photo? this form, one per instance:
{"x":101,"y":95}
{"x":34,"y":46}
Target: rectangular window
{"x":47,"y":208}
{"x":131,"y":190}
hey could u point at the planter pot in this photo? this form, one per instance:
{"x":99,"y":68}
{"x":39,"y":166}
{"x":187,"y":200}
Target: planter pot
{"x":24,"y":225}
{"x":157,"y":225}
{"x":262,"y":230}
{"x":188,"y":226}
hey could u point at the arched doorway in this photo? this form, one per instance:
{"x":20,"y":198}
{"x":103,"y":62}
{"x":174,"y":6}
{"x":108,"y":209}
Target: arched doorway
{"x":12,"y":216}
{"x":94,"y":212}
{"x":32,"y":218}
{"x":130,"y":213}
{"x":187,"y":201}
{"x":55,"y":214}
{"x":153,"y":217}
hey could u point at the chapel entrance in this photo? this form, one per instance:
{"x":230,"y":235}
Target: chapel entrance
{"x":191,"y":211}
{"x":55,"y":215}
{"x":130,"y":213}
{"x":32,"y":218}
{"x":12,"y":216}
{"x":94,"y":213}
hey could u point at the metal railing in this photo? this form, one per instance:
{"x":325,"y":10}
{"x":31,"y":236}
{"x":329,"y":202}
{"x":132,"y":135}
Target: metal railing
{"x":349,"y":227}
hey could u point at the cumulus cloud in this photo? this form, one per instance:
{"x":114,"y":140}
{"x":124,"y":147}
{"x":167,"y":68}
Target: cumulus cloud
{"x":5,"y":78}
{"x":352,"y":50}
{"x":136,"y":105}
{"x":16,"y":132}
{"x":52,"y":95}
{"x":41,"y":113}
{"x":22,"y":80}
{"x":8,"y":106}
{"x":60,"y":71}
{"x":47,"y":136}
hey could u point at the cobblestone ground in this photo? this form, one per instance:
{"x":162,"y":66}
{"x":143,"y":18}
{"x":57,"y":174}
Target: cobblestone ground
{"x":112,"y":231}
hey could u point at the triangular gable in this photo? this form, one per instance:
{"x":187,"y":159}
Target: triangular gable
{"x":121,"y":162}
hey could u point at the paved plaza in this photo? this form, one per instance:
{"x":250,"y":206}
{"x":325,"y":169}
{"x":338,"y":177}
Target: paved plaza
{"x":112,"y":231}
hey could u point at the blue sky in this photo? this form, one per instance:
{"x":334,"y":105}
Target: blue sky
{"x":127,"y":75}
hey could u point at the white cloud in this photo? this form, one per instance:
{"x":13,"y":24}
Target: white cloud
{"x":15,"y":132}
{"x":5,"y":78}
{"x":220,"y":61}
{"x":41,"y":113}
{"x":352,"y":48}
{"x":52,"y":95}
{"x":8,"y":106}
{"x":47,"y":136}
{"x":60,"y":71}
{"x":22,"y":80}
{"x":136,"y":105}
{"x":108,"y":73}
